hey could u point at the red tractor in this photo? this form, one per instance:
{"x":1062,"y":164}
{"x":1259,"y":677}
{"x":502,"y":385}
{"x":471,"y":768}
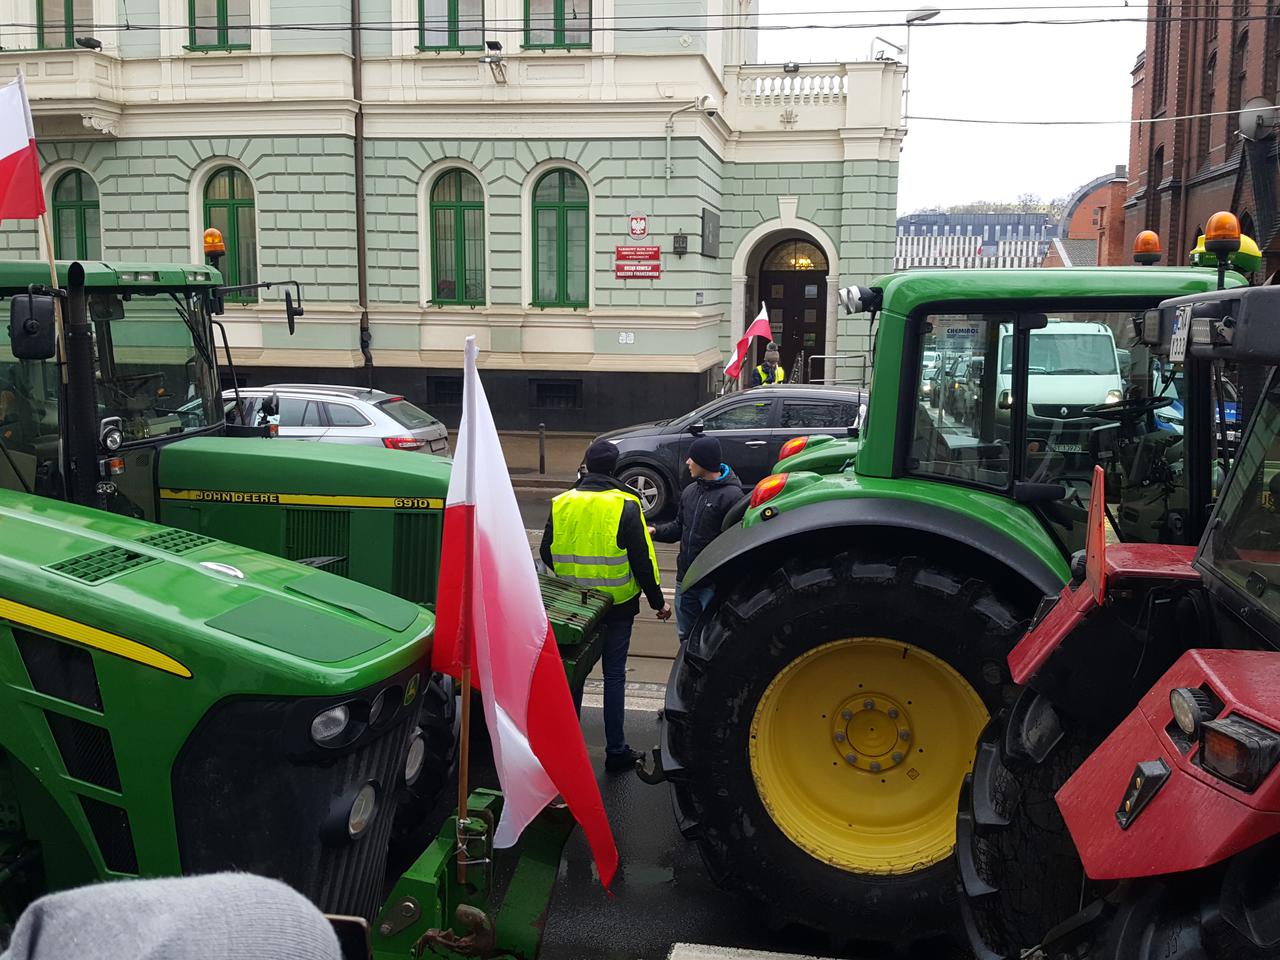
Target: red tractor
{"x":1127,"y":805}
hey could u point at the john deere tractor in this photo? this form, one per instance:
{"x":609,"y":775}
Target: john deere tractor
{"x":821,"y":717}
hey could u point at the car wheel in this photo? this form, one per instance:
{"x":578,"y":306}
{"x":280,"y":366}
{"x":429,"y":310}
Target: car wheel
{"x":649,"y":487}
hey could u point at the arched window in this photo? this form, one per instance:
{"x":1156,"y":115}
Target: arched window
{"x":1160,"y":58}
{"x":77,"y":234}
{"x":457,"y":239}
{"x":1235,"y":96}
{"x":560,"y":240}
{"x":1155,"y":215}
{"x":795,"y":255}
{"x":1246,"y":225}
{"x":57,"y":22}
{"x":1204,"y":141}
{"x":228,"y":205}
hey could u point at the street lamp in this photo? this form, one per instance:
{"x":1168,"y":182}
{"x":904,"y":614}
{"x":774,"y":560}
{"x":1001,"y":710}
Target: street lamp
{"x":915,"y":16}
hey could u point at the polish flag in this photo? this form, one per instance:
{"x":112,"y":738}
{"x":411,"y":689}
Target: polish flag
{"x":21,"y":195}
{"x":490,"y":617}
{"x":759,"y":328}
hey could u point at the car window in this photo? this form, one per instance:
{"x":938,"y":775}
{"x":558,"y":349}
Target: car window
{"x":299,"y":413}
{"x":740,"y":416}
{"x":406,"y":414}
{"x":249,"y":407}
{"x":342,"y":415}
{"x":817,"y":414}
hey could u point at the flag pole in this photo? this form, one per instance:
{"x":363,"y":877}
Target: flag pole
{"x":466,"y":622}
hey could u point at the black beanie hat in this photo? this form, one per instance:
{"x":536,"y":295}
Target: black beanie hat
{"x":705,"y":452}
{"x":602,"y":457}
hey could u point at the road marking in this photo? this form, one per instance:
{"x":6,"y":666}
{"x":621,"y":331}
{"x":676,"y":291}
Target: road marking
{"x":696,"y":951}
{"x":640,"y":697}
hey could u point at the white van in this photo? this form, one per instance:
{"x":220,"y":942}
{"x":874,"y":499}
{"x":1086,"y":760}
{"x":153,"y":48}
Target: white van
{"x":1073,"y":366}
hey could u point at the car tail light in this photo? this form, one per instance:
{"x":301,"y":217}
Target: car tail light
{"x":1239,"y":751}
{"x":792,"y":447}
{"x":768,"y":488}
{"x":403,"y":443}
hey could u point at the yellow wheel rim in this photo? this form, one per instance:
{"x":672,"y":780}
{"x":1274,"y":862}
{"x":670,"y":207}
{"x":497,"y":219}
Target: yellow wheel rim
{"x":858,"y":749}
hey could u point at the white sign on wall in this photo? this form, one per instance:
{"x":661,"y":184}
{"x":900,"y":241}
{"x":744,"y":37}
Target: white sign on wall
{"x":638,"y":226}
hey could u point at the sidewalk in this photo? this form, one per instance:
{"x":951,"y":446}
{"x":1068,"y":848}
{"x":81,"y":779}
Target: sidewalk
{"x":563,"y":452}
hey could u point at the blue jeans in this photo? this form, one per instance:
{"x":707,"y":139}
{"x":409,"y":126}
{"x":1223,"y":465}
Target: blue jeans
{"x":689,"y":605}
{"x":613,"y":662}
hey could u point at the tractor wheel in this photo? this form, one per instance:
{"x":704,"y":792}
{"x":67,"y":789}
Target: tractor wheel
{"x":1018,"y":865}
{"x":438,"y":724}
{"x":819,"y":723}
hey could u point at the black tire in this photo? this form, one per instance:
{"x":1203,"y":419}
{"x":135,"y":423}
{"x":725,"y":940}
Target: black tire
{"x":439,"y":723}
{"x":1019,"y":871}
{"x":650,"y":486}
{"x":717,"y":680}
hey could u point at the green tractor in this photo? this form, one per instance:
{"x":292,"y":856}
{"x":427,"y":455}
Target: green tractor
{"x":821,"y":717}
{"x":215,"y":653}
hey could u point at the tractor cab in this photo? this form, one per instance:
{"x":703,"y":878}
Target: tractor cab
{"x":148,"y":377}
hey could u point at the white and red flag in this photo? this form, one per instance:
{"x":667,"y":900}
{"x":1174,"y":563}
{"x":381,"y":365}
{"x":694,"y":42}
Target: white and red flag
{"x":490,"y":617}
{"x":21,"y":195}
{"x":759,"y":328}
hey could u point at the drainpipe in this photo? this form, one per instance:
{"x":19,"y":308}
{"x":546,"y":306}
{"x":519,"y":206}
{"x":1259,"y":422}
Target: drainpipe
{"x":671,"y":126}
{"x":362,"y":244}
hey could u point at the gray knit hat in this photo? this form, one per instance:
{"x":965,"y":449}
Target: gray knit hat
{"x":219,"y":916}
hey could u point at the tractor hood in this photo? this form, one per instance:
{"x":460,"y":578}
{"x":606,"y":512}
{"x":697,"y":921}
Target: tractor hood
{"x":176,"y":597}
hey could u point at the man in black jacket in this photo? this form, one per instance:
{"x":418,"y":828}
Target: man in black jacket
{"x":703,"y":506}
{"x":596,"y":537}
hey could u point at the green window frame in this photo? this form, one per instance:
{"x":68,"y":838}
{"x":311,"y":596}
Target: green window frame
{"x":229,"y":206}
{"x":457,"y":227}
{"x":77,"y":229}
{"x":557,"y":24}
{"x":561,"y":229}
{"x":450,"y":24}
{"x":218,"y":24}
{"x":59,"y":31}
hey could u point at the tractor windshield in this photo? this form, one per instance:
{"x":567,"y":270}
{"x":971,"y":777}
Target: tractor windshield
{"x":155,"y":366}
{"x":1243,"y":544}
{"x":1072,"y":419}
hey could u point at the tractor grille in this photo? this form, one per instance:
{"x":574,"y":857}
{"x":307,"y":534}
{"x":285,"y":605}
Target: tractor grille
{"x":251,"y":792}
{"x":415,"y":550}
{"x":59,"y":669}
{"x":110,"y":826}
{"x":86,"y":750}
{"x":99,"y":565}
{"x":319,"y":533}
{"x":176,"y":541}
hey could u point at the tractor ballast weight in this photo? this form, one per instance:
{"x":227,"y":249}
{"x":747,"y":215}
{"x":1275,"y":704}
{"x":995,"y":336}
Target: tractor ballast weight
{"x":1137,"y":677}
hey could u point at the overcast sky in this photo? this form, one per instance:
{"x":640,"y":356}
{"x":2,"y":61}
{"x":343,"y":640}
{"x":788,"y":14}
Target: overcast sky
{"x":988,"y":71}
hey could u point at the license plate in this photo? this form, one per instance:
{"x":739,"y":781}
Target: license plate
{"x":1068,"y":448}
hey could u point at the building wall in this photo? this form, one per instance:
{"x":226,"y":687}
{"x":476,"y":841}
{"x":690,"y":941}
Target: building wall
{"x":1207,"y":165}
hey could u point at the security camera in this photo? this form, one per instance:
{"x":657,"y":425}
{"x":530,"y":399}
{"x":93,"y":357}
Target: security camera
{"x":710,"y":106}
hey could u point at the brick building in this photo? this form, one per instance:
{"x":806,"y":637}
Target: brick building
{"x":1204,"y":57}
{"x":498,"y":150}
{"x":1091,"y":231}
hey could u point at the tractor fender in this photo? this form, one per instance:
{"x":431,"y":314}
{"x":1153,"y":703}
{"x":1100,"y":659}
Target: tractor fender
{"x":731,"y":548}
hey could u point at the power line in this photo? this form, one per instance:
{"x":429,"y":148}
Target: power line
{"x":1074,"y":123}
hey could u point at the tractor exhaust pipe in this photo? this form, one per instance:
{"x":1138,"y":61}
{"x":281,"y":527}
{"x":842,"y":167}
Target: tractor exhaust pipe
{"x":82,"y":403}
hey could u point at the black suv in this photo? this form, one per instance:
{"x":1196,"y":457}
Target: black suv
{"x":751,"y":425}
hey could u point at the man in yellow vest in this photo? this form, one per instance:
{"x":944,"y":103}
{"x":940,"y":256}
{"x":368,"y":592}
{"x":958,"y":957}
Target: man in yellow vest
{"x":770,"y":371}
{"x":597,"y":537}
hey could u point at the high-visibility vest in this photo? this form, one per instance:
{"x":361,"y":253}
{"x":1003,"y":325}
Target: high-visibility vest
{"x":765,"y":378}
{"x":584,"y":542}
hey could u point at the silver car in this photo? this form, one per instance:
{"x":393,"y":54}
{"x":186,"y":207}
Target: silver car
{"x":336,"y":414}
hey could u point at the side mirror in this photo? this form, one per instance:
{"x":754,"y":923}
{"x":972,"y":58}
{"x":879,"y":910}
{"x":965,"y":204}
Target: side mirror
{"x":1005,"y":400}
{"x":291,"y":310}
{"x":697,"y":428}
{"x":31,"y":327}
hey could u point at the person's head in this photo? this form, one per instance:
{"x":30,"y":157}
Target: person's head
{"x":771,"y":353}
{"x":602,"y":457}
{"x":704,"y":458}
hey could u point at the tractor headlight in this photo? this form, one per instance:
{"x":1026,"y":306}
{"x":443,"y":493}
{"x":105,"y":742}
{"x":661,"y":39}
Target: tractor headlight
{"x":1191,"y":707}
{"x":1239,"y":751}
{"x":362,"y":810}
{"x":414,"y":757}
{"x":330,"y":724}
